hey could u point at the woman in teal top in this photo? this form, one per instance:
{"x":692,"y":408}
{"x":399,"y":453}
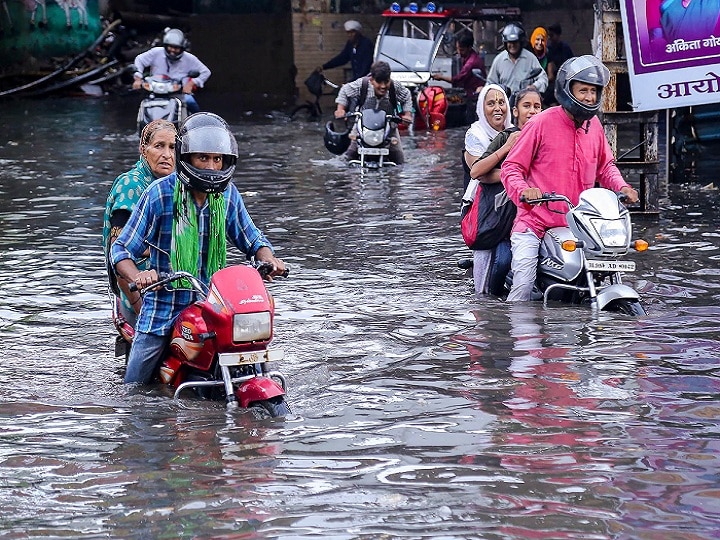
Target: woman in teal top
{"x":157,"y":160}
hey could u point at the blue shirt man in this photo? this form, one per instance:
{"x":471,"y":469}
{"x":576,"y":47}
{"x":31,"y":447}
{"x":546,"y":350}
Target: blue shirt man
{"x":152,"y":223}
{"x":185,"y":219}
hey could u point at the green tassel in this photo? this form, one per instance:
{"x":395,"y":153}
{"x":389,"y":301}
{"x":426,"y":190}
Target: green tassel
{"x":185,"y":248}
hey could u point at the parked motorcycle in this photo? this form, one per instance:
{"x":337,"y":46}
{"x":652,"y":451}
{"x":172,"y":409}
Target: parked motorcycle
{"x":581,"y":263}
{"x":220,"y":345}
{"x":374,"y":129}
{"x":163,"y":100}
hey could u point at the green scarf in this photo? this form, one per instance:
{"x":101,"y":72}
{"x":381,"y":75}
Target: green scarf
{"x":185,"y":247}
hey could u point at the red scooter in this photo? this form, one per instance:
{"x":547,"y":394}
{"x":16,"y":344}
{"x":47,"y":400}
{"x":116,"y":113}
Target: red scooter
{"x":220,"y":345}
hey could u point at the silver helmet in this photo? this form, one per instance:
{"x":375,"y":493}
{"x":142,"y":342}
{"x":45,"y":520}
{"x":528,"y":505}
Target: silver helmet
{"x":513,"y":32}
{"x":205,"y":133}
{"x":174,"y":38}
{"x":587,"y":69}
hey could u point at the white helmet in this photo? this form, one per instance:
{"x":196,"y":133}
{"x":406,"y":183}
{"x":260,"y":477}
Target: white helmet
{"x":174,"y":38}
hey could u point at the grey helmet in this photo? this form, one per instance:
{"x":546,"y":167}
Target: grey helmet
{"x":205,"y":133}
{"x":587,"y":69}
{"x":174,"y":38}
{"x":513,"y":32}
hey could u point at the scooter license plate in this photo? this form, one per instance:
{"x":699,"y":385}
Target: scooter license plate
{"x":374,"y":151}
{"x":611,"y":266}
{"x":252,"y":357}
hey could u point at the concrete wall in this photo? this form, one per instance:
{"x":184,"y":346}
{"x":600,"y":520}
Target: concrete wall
{"x":251,"y":57}
{"x":318,"y":37}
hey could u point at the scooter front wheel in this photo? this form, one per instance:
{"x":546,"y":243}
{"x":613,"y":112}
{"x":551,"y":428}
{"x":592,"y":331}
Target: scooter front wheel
{"x":627,"y":307}
{"x":274,"y":407}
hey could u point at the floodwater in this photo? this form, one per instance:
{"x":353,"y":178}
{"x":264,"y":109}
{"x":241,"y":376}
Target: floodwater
{"x":418,"y":411}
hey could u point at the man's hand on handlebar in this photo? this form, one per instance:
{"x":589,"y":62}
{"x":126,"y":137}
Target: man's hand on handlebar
{"x":631,"y":194}
{"x":530,"y":194}
{"x":137,"y":84}
{"x":266,"y":255}
{"x":145,"y":278}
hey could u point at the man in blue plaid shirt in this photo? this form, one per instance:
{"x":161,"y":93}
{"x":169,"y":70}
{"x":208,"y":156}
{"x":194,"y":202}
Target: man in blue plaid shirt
{"x":185,"y":219}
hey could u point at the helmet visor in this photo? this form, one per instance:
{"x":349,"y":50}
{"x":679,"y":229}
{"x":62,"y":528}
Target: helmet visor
{"x":587,"y":69}
{"x":174,"y":38}
{"x":208,"y":140}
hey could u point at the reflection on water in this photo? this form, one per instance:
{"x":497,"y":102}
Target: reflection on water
{"x":420,"y":412}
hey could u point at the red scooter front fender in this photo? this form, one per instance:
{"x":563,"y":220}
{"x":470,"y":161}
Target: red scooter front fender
{"x":258,"y":389}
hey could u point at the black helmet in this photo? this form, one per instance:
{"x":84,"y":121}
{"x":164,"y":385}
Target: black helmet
{"x":174,"y":38}
{"x":587,"y":69}
{"x":336,"y":142}
{"x":513,"y":32}
{"x":205,"y":133}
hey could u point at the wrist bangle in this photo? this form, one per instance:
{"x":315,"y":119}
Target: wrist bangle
{"x":474,"y":162}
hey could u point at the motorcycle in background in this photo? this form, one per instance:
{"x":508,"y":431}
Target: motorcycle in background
{"x":374,"y":129}
{"x":220,"y":345}
{"x":163,"y":100}
{"x":581,"y":263}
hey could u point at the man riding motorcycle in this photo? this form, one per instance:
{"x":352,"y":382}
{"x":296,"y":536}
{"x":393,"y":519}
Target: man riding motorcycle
{"x":185,"y":219}
{"x":516,"y":68}
{"x":562,"y":150}
{"x":175,"y":62}
{"x":377,"y":91}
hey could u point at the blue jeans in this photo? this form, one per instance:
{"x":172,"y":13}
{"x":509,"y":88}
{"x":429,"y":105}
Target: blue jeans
{"x":502,"y":257}
{"x":490,"y":268}
{"x":145,"y":355}
{"x":191,"y":104}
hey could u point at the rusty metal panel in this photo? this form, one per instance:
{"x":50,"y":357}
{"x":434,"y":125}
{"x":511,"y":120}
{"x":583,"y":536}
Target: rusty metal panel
{"x":610,"y":94}
{"x":609,"y":41}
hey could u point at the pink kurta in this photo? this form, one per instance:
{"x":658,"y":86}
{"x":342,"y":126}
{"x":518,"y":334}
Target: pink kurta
{"x":554,"y":156}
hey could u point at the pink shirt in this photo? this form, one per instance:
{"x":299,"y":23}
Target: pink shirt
{"x":552,"y":155}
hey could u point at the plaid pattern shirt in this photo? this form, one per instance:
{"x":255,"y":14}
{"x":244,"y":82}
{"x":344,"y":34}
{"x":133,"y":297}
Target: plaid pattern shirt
{"x":350,"y":93}
{"x":151,"y":222}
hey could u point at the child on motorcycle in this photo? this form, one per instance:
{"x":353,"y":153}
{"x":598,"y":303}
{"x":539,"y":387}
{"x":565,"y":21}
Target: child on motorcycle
{"x":185,"y":220}
{"x":528,"y":103}
{"x":563,"y":150}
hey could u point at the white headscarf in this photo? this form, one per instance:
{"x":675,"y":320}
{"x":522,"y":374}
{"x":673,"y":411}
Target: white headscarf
{"x":352,"y":25}
{"x":480,"y":133}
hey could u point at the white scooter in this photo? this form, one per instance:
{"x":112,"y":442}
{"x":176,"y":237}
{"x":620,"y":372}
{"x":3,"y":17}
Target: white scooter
{"x":164,"y":100}
{"x":582,"y":263}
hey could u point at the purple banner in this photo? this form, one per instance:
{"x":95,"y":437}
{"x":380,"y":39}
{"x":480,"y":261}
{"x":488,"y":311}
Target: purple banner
{"x":670,"y":34}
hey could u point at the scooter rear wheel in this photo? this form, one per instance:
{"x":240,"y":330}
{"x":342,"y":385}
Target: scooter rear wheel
{"x":274,"y":407}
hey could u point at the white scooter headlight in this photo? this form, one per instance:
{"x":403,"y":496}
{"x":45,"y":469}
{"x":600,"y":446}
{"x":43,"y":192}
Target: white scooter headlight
{"x":612,"y":232}
{"x":373,"y":138}
{"x":251,"y":326}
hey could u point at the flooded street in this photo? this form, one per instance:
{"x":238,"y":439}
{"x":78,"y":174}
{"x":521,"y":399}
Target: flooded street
{"x":419,"y":412}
